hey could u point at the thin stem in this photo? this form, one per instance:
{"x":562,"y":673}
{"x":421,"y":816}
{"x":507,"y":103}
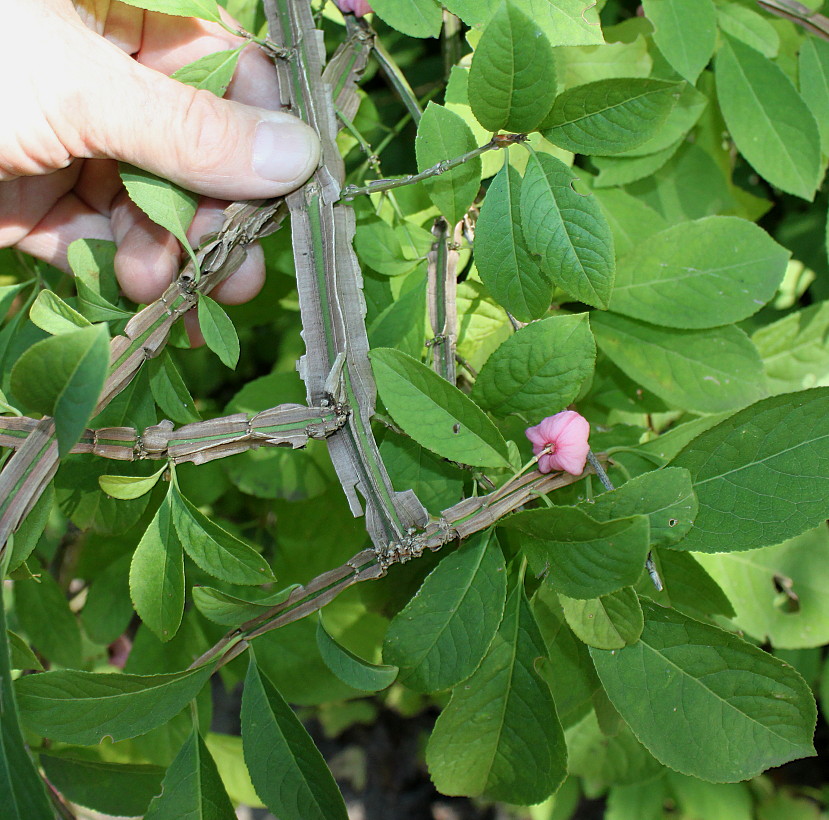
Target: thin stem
{"x":798,"y":13}
{"x":397,"y":80}
{"x":498,"y":141}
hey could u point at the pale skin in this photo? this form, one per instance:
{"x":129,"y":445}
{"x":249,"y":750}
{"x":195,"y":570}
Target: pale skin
{"x":88,"y":86}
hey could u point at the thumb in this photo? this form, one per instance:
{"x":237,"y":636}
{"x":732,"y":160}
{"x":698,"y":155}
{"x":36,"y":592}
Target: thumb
{"x":206,"y":144}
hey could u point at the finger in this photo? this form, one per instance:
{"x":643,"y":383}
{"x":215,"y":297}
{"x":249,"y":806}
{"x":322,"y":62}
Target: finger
{"x":69,"y":219}
{"x":99,"y":184}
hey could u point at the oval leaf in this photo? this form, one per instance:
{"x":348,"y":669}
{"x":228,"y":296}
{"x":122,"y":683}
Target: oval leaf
{"x":609,"y":622}
{"x":440,"y":636}
{"x":567,"y":231}
{"x":218,"y":331}
{"x":213,"y":72}
{"x":50,"y":313}
{"x":127,"y":487}
{"x":351,"y":670}
{"x":435,"y":413}
{"x":706,"y":703}
{"x":610,"y":116}
{"x":86,"y":707}
{"x":229,"y":610}
{"x":286,"y":768}
{"x":686,"y":33}
{"x":538,"y":370}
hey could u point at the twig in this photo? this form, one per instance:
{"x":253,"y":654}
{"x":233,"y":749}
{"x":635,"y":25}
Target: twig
{"x":798,"y":13}
{"x":397,"y":80}
{"x":441,"y":293}
{"x":498,"y":141}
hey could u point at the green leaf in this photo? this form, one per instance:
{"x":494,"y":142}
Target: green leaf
{"x":631,"y":220}
{"x":440,"y":636}
{"x":627,"y":169}
{"x":709,"y":272}
{"x":567,"y":231}
{"x":666,"y":496}
{"x":608,"y":622}
{"x":108,"y":609}
{"x":580,"y":557}
{"x":391,"y":251}
{"x":417,"y":18}
{"x":287,"y":770}
{"x":203,"y":9}
{"x":124,"y":789}
{"x":760,"y":475}
{"x":442,"y":135}
{"x":63,"y":377}
{"x":500,"y":735}
{"x":93,"y":262}
{"x":435,"y":413}
{"x":706,"y":703}
{"x":157,"y":574}
{"x":213,"y":72}
{"x":31,"y":528}
{"x":686,"y":33}
{"x":708,"y":371}
{"x":86,"y":707}
{"x":510,"y":272}
{"x":230,"y":610}
{"x":50,"y":313}
{"x":192,"y":787}
{"x":768,"y":120}
{"x":753,"y":29}
{"x":218,"y":331}
{"x":214,"y":549}
{"x":22,"y":794}
{"x":127,"y":487}
{"x":44,"y":615}
{"x":163,"y":202}
{"x":794,"y":349}
{"x":779,"y":592}
{"x":350,"y":669}
{"x":610,"y":116}
{"x":813,"y":70}
{"x":565,"y":22}
{"x":539,"y":370}
{"x":22,"y":656}
{"x":169,"y":390}
{"x":512,"y":80}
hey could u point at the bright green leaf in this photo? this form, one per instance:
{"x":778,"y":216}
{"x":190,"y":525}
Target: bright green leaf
{"x":686,"y":33}
{"x":752,"y":28}
{"x":287,"y":770}
{"x":22,"y":656}
{"x":417,"y":18}
{"x":770,"y":123}
{"x":50,"y":313}
{"x":63,"y":377}
{"x":440,"y":636}
{"x":85,"y":707}
{"x":500,"y":735}
{"x":163,"y":202}
{"x":218,"y":331}
{"x":350,"y":669}
{"x":512,"y":79}
{"x":567,"y":231}
{"x":813,"y":71}
{"x":608,"y":622}
{"x":127,"y":487}
{"x":203,"y":9}
{"x":706,"y":273}
{"x":510,"y":272}
{"x":706,"y":703}
{"x":435,"y":413}
{"x":442,"y":135}
{"x":610,"y":116}
{"x":761,"y":475}
{"x":565,"y":22}
{"x":539,"y":370}
{"x":213,"y":72}
{"x":708,"y":371}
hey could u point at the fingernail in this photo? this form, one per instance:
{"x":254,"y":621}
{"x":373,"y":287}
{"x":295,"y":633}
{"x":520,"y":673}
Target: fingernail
{"x":284,"y":151}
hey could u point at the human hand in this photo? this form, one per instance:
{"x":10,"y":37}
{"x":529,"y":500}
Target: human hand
{"x":91,"y":88}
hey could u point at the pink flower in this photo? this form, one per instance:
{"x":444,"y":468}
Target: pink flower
{"x":356,"y":7}
{"x":564,"y":435}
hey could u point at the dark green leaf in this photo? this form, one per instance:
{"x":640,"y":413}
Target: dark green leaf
{"x":169,"y":390}
{"x":287,"y":770}
{"x":31,"y":528}
{"x":85,"y":707}
{"x":108,"y":610}
{"x":440,"y":636}
{"x":512,"y":80}
{"x":706,"y":703}
{"x":760,"y":475}
{"x":567,"y":231}
{"x":500,"y":735}
{"x":539,"y":370}
{"x":229,"y":610}
{"x":63,"y":377}
{"x":192,"y":787}
{"x":610,"y":116}
{"x":350,"y":669}
{"x":22,"y":656}
{"x":435,"y":413}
